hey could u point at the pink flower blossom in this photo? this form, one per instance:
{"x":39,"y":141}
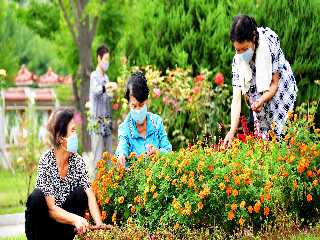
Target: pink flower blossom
{"x":157,"y":92}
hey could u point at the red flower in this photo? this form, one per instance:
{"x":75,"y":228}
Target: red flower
{"x":242,"y":137}
{"x":195,"y":90}
{"x":115,"y":106}
{"x":200,"y":78}
{"x":219,"y":79}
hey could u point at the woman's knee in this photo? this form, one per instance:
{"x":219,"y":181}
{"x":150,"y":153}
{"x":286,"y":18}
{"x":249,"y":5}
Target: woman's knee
{"x":36,"y":200}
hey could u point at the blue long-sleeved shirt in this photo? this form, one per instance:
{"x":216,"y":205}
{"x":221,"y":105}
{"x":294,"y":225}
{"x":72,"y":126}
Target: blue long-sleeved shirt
{"x":131,"y":141}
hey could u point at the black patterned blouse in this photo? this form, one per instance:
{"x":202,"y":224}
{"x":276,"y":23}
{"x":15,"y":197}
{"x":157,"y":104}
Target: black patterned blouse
{"x":50,"y":182}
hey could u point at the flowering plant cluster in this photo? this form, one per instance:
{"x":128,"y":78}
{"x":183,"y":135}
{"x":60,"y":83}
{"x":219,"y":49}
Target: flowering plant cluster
{"x":244,"y":185}
{"x":197,"y":104}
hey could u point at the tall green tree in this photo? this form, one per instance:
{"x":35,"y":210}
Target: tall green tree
{"x":82,"y":18}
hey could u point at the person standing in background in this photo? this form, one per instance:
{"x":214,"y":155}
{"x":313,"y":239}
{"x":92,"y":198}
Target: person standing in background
{"x":100,"y":107}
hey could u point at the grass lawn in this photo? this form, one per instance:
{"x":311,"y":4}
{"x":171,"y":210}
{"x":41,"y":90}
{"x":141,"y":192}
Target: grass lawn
{"x":20,"y":237}
{"x":13,"y":191}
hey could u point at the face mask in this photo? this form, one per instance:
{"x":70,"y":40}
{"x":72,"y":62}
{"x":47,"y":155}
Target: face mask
{"x":105,"y":66}
{"x":247,"y":55}
{"x":72,"y":143}
{"x":139,"y":115}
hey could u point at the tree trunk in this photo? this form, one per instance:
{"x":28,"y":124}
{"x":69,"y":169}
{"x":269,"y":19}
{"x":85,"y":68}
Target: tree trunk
{"x":84,"y":75}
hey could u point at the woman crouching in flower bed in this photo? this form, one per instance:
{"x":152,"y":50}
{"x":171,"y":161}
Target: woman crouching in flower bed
{"x":141,"y":132}
{"x":55,"y":209}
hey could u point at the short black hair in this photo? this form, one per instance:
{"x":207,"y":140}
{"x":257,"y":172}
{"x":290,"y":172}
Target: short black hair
{"x":137,"y":87}
{"x":243,"y":28}
{"x":102,"y":50}
{"x":58,"y":124}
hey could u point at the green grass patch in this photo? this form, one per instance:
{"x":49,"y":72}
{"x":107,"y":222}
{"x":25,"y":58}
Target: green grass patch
{"x":13,"y":193}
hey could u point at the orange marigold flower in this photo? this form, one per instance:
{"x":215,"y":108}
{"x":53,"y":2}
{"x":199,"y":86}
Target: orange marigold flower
{"x":235,"y":192}
{"x":266,"y":211}
{"x":237,"y":181}
{"x":132,"y":155}
{"x":248,"y":181}
{"x":200,"y":205}
{"x":226,"y":178}
{"x":234,"y":206}
{"x":257,"y":207}
{"x":261,"y":198}
{"x":315,"y":183}
{"x":242,"y":204}
{"x":191,"y":182}
{"x":230,"y":215}
{"x":121,"y":199}
{"x":268,"y":196}
{"x":250,"y":209}
{"x":228,"y":191}
{"x":133,"y":209}
{"x":137,"y":199}
{"x":295,"y":184}
{"x":241,"y":221}
{"x":222,"y":186}
{"x":309,"y":173}
{"x":114,"y":160}
{"x":103,"y":215}
{"x":210,"y":168}
{"x":309,"y":197}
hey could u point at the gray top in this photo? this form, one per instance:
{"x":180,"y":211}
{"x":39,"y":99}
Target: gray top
{"x":100,"y":104}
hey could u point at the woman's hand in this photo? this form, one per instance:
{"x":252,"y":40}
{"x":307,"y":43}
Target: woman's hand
{"x":122,"y":161}
{"x":81,"y":224}
{"x":151,"y":150}
{"x":257,"y":105}
{"x":228,"y":139}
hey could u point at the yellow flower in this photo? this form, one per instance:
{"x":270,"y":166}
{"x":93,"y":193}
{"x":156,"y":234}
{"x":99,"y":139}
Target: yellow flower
{"x":176,"y":226}
{"x":242,"y":204}
{"x":3,"y":72}
{"x":121,"y":199}
{"x":155,"y":195}
{"x":153,"y":188}
{"x":114,"y":217}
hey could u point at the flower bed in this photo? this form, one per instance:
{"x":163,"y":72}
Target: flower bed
{"x":200,"y":186}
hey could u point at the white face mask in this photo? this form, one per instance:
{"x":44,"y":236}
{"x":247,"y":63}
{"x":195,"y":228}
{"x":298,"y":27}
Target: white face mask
{"x":246,"y":55}
{"x":105,"y":66}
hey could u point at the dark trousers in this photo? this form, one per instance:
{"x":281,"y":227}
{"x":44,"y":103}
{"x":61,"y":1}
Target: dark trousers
{"x":39,"y":225}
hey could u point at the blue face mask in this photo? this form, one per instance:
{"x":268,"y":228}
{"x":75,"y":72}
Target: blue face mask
{"x":72,"y":143}
{"x":247,"y":55}
{"x":139,"y":115}
{"x":105,"y":66}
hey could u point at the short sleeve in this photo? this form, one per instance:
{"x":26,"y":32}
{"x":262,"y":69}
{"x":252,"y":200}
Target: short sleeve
{"x":274,"y":46}
{"x":235,"y":74}
{"x":44,"y":182}
{"x":83,"y":176}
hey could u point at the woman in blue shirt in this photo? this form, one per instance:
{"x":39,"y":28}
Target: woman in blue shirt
{"x":142,"y":131}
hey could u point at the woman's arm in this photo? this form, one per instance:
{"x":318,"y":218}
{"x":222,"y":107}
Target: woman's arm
{"x":268,"y":95}
{"x":62,"y":216}
{"x":235,"y":114}
{"x":93,"y":207}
